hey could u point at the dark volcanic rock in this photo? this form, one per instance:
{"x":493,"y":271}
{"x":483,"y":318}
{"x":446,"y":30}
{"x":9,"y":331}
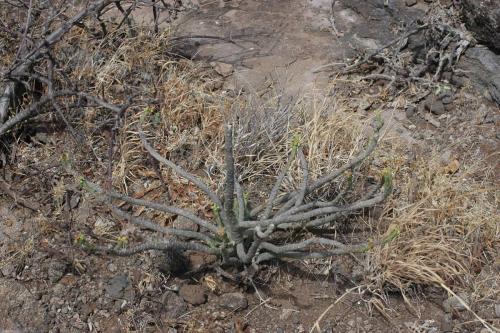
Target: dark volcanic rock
{"x":482,"y":18}
{"x":174,"y":305}
{"x":483,"y":69}
{"x":233,"y":301}
{"x":434,"y":105}
{"x":56,"y":270}
{"x":193,"y":294}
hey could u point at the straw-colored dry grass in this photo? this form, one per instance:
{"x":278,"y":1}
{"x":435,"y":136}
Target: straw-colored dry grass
{"x":448,"y":224}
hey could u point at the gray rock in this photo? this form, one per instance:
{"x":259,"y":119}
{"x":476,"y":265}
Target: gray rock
{"x":447,"y":323}
{"x":193,"y":294}
{"x":20,"y":311}
{"x":74,"y":201}
{"x":222,"y":68}
{"x":447,"y":99}
{"x":482,"y":67}
{"x":233,"y":301}
{"x":117,"y":285}
{"x":491,"y":118}
{"x":410,"y":110}
{"x":174,"y":305}
{"x":410,"y":3}
{"x":453,"y":303}
{"x":497,"y":310}
{"x":8,"y":269}
{"x":434,"y":105}
{"x":482,"y":18}
{"x":56,"y":271}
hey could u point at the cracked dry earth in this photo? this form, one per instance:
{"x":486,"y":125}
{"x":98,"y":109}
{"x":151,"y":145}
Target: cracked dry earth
{"x":47,"y":285}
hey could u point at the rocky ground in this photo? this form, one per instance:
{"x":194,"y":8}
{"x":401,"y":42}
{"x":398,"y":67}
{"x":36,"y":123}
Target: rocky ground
{"x":48,"y":284}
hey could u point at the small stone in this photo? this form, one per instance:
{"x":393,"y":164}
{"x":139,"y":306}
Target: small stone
{"x":56,"y":270}
{"x":74,"y":201}
{"x":8,"y":269}
{"x":410,"y":110}
{"x":446,"y":96}
{"x":434,"y":105}
{"x":497,"y":310}
{"x":491,"y":118}
{"x":222,"y":68}
{"x":447,"y":323}
{"x":447,"y":99}
{"x":193,"y":294}
{"x":233,"y":301}
{"x":410,"y":3}
{"x":112,"y":267}
{"x":174,"y":305}
{"x":453,"y":303}
{"x":117,"y":285}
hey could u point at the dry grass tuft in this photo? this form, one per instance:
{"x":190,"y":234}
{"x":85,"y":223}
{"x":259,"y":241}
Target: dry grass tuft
{"x":447,"y":224}
{"x":265,"y":131}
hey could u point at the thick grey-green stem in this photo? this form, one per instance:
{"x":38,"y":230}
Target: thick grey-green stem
{"x":229,"y":187}
{"x":251,"y":239}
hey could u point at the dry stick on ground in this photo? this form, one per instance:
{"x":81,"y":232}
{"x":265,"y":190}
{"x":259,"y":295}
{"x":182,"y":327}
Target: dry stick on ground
{"x":372,"y":54}
{"x":251,"y":241}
